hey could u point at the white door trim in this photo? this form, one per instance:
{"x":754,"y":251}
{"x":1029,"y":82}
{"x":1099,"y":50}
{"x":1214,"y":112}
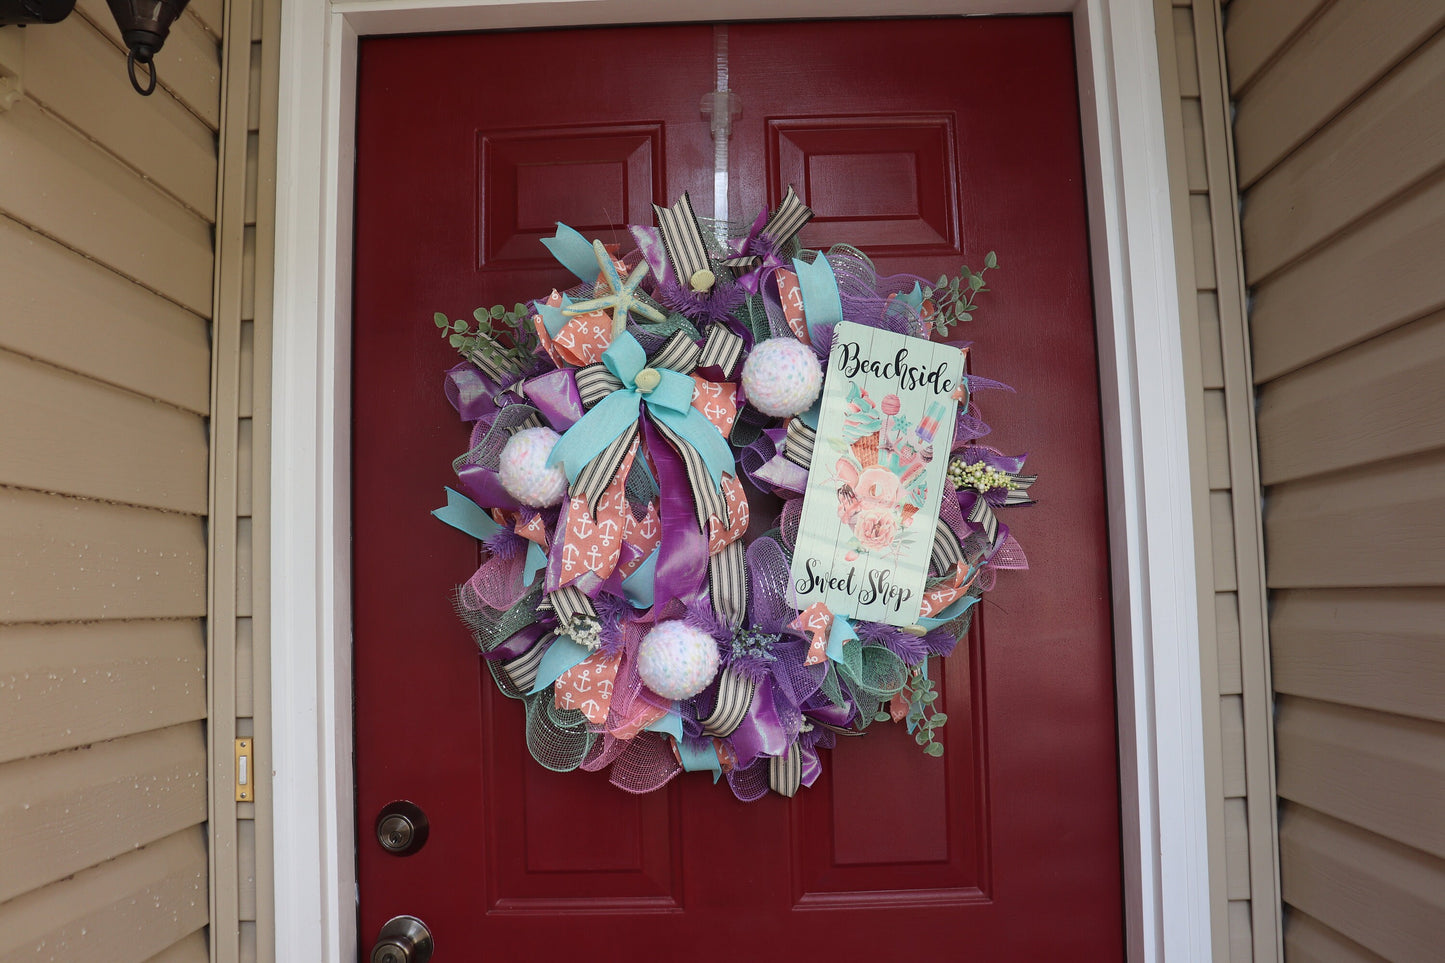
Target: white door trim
{"x":1162,"y":767}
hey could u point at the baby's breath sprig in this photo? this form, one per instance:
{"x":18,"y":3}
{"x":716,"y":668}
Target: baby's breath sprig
{"x":979,"y":476}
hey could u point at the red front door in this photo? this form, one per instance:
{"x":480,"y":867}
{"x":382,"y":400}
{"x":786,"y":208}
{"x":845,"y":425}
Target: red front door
{"x":926,"y":143}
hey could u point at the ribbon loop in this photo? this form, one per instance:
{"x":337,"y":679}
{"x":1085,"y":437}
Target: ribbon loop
{"x":822,"y":304}
{"x":682,"y":239}
{"x":757,"y":258}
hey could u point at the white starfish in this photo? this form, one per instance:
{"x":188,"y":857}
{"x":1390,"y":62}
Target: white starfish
{"x":623,"y":297}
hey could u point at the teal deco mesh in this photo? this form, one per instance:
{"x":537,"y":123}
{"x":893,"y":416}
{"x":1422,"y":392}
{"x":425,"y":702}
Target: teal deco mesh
{"x":557,"y":738}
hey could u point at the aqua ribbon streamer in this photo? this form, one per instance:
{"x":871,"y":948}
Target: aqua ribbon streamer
{"x":639,"y":587}
{"x":670,"y":403}
{"x":560,"y":656}
{"x":465,"y":515}
{"x":839,"y":632}
{"x":552,"y":317}
{"x":669,"y":724}
{"x":536,"y":561}
{"x":573,"y":251}
{"x":699,"y":756}
{"x":822,"y":303}
{"x":956,"y":608}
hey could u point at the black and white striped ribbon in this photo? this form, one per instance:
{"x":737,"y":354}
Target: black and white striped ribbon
{"x":570,"y":605}
{"x":798,"y":443}
{"x":682,"y":239}
{"x":982,"y":511}
{"x":598,"y":474}
{"x":947,"y":551}
{"x":595,"y":382}
{"x":728,"y":583}
{"x":782,"y":224}
{"x":734,"y":699}
{"x":785,"y":772}
{"x":679,"y":353}
{"x":495,"y":366}
{"x":523,"y":669}
{"x":723,"y":350}
{"x":982,"y":514}
{"x":1019,"y":493}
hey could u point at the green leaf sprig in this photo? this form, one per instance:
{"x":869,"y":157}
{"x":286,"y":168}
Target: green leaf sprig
{"x":954,"y":297}
{"x":505,"y":336}
{"x":921,"y":697}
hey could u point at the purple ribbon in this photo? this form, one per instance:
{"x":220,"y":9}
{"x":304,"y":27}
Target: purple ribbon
{"x":518,"y":644}
{"x":682,"y":559}
{"x":761,"y":732}
{"x":470,"y":392}
{"x":484,"y":486}
{"x":765,"y":249}
{"x":555,"y":397}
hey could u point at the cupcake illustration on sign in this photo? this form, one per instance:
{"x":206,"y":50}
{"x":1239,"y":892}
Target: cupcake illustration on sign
{"x":882,"y":484}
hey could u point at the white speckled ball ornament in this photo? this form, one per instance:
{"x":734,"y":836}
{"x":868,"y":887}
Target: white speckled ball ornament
{"x":676,"y":660}
{"x":782,"y":377}
{"x":524,"y":470}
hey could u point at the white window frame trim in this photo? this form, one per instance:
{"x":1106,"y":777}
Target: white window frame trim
{"x":1143,"y":392}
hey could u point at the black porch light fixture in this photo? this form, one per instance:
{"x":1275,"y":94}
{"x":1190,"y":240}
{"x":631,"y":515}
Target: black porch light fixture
{"x":144,"y":26}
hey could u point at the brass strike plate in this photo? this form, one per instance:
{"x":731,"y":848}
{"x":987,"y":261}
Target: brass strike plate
{"x":245,"y":791}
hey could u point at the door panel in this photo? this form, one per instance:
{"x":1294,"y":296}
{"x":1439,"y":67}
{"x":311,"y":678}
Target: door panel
{"x":926,"y":143}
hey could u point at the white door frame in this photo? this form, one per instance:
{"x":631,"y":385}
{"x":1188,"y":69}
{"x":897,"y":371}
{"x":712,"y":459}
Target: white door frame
{"x":1162,"y":769}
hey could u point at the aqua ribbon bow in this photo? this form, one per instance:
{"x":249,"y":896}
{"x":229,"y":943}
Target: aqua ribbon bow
{"x":667,"y":397}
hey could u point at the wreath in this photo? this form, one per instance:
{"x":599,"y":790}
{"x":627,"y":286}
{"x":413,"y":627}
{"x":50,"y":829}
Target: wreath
{"x":655,"y":450}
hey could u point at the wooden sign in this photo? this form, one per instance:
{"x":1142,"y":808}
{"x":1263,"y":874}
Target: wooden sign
{"x":878,"y":474}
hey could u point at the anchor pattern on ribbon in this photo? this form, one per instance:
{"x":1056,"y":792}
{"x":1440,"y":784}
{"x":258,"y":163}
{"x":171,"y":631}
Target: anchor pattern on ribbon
{"x":790,"y":295}
{"x":943,"y":594}
{"x":534,"y":530}
{"x":592,"y":540}
{"x":587,"y":687}
{"x":815,"y":621}
{"x":583,"y":339}
{"x":718,"y":401}
{"x":722,"y":533}
{"x":642,"y":536}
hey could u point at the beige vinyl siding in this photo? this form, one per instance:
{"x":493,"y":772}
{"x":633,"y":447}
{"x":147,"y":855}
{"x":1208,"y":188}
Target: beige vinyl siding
{"x":1244,"y":887}
{"x":107,"y":209}
{"x":1340,"y":128}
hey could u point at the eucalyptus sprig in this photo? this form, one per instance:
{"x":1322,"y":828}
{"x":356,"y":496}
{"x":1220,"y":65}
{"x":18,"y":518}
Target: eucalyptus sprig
{"x":921,"y":696}
{"x":505,"y":336}
{"x":954,"y":296}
